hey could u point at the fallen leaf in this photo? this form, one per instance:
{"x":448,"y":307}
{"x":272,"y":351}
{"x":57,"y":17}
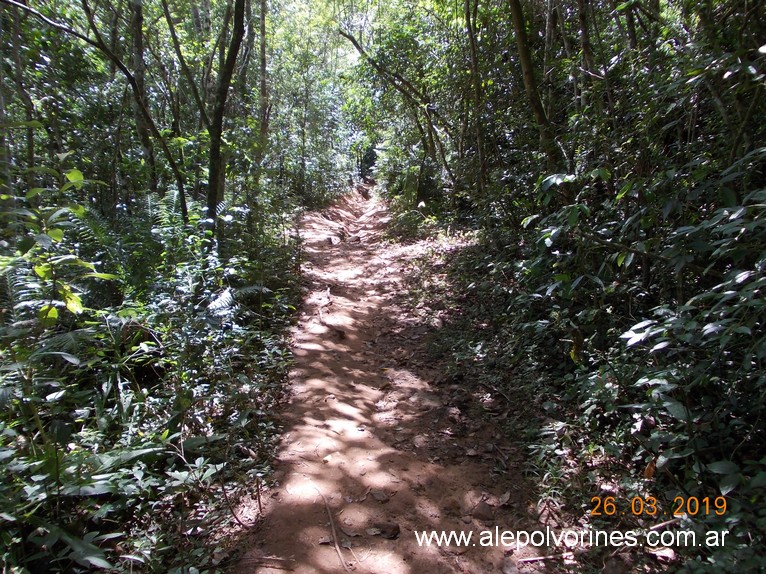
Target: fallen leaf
{"x":509,"y":566}
{"x":665,"y":554}
{"x":483,"y":511}
{"x":379,"y":495}
{"x":389,"y":530}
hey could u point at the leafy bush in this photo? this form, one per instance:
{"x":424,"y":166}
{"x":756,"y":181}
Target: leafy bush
{"x":121,"y":424}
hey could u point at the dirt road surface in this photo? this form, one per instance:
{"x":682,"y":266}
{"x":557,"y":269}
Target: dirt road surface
{"x":374,"y":451}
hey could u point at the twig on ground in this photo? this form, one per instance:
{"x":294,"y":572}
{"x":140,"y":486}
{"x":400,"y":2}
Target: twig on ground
{"x":666,"y":523}
{"x":334,"y":532}
{"x":231,"y":508}
{"x":551,"y":557}
{"x":495,"y":390}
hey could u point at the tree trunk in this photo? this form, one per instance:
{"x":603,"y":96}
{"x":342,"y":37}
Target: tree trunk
{"x":26,"y":101}
{"x":477,"y":92}
{"x":98,"y":42}
{"x":5,"y":152}
{"x":547,"y":139}
{"x":139,"y":73}
{"x":184,"y":66}
{"x":418,"y":101}
{"x":217,"y":167}
{"x":264,"y":112}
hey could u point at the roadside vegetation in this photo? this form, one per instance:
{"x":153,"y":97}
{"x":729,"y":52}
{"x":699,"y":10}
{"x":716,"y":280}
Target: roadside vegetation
{"x":605,"y":158}
{"x":611,"y":289}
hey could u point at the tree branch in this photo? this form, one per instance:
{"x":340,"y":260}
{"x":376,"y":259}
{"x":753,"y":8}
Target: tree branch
{"x":184,"y":67}
{"x":100,"y":45}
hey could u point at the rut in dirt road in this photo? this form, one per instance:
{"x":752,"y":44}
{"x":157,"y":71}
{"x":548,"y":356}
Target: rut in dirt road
{"x":370,"y":454}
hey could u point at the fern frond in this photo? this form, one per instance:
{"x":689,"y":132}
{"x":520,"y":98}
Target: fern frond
{"x":69,"y":342}
{"x":222,"y":207}
{"x":23,"y":295}
{"x":223,"y":303}
{"x":251,"y":289}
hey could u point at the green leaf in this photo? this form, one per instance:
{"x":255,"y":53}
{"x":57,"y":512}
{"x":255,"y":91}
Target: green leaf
{"x":84,"y":552}
{"x":48,"y":315}
{"x":574,"y":216}
{"x":677,"y":410}
{"x":723,"y":467}
{"x":44,"y":271}
{"x":44,"y":240}
{"x":601,"y":173}
{"x":7,"y":453}
{"x":66,"y":356}
{"x":56,"y":234}
{"x":625,"y":189}
{"x":758,"y":481}
{"x":72,"y":300}
{"x":528,"y":220}
{"x":78,"y":210}
{"x":75,"y":176}
{"x":729,"y":483}
{"x":25,"y":244}
{"x":34,"y":192}
{"x":113,"y":460}
{"x":556,"y":179}
{"x":57,"y":215}
{"x":106,"y":276}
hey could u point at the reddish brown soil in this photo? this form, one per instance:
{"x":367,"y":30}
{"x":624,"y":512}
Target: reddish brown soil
{"x":370,"y":439}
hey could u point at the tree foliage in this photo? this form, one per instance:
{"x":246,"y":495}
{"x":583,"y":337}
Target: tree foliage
{"x":609,"y":156}
{"x":154,"y":157}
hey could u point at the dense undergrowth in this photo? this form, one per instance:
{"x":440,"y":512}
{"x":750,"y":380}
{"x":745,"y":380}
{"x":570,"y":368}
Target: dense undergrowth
{"x":633,"y":372}
{"x":140,"y":371}
{"x":608,"y":160}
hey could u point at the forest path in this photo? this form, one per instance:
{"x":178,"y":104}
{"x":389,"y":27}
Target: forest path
{"x":368,"y":436}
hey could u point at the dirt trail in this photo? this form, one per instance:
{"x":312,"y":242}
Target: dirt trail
{"x":368,"y":439}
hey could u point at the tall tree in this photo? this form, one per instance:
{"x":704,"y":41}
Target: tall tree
{"x":547,"y":134}
{"x":217,"y":165}
{"x":141,"y":103}
{"x":478,"y":98}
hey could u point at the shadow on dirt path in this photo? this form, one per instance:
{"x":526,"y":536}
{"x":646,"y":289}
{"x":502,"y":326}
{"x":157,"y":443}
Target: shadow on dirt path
{"x":369,"y":441}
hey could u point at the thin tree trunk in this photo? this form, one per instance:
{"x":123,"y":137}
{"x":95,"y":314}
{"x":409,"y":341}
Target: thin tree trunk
{"x":547,"y":138}
{"x":5,"y":152}
{"x":247,"y":51}
{"x":402,"y":85}
{"x":477,"y":92}
{"x":264,"y":112}
{"x":139,"y":73}
{"x":114,"y":35}
{"x":265,"y":107}
{"x":585,"y":43}
{"x":217,"y":168}
{"x":415,"y":98}
{"x":184,"y":66}
{"x":550,"y":32}
{"x":101,"y":45}
{"x":26,"y":100}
